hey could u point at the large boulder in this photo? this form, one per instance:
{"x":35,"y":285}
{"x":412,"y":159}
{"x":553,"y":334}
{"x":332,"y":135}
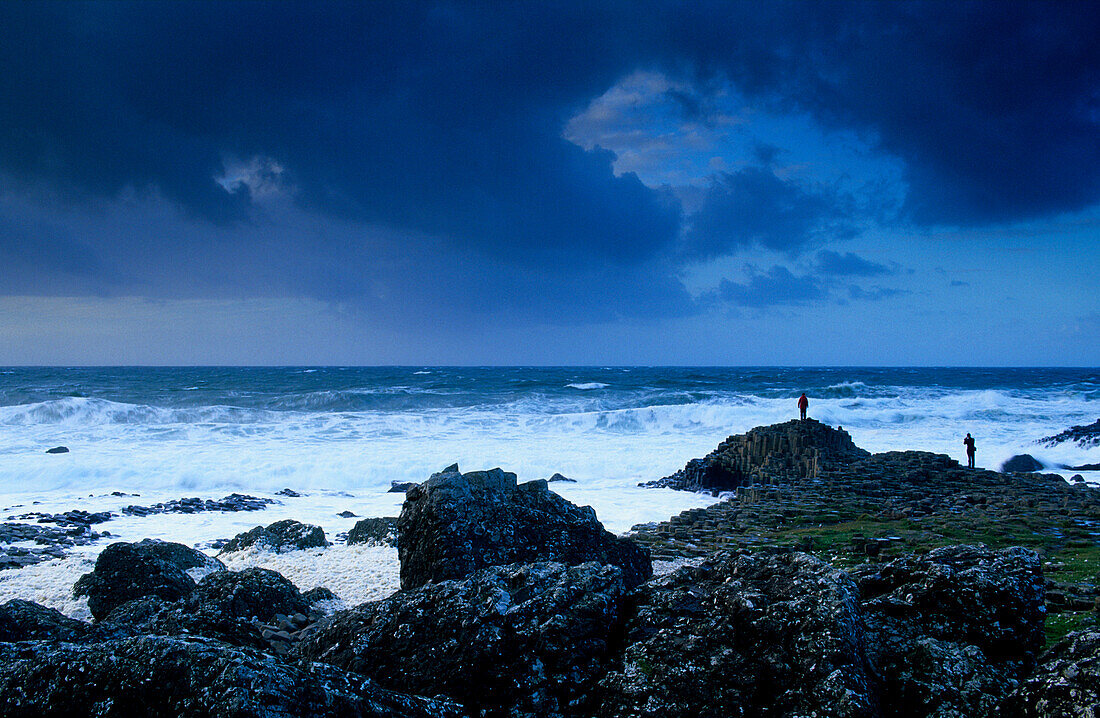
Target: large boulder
{"x":125,"y":571}
{"x":1065,"y":684}
{"x":285,"y":535}
{"x":26,"y":621}
{"x":1021,"y":463}
{"x":767,"y":633}
{"x":951,"y":632}
{"x":519,"y":640}
{"x":229,"y":606}
{"x":455,"y":524}
{"x":795,"y":449}
{"x":166,"y":677}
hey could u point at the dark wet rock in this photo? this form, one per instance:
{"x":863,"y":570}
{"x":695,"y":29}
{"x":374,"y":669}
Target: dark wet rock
{"x":165,"y":676}
{"x":231,"y":503}
{"x":125,"y":571}
{"x":1066,"y":682}
{"x":289,"y":493}
{"x":377,"y":531}
{"x":520,"y":640}
{"x":252,"y":593}
{"x":795,"y":449}
{"x":1084,"y":467}
{"x":951,"y":632}
{"x":454,"y":524}
{"x":1084,"y":436}
{"x":26,"y":621}
{"x":769,"y":633}
{"x":559,"y":477}
{"x":194,"y":562}
{"x":58,"y":450}
{"x":51,"y":542}
{"x":401,"y":487}
{"x":1021,"y":463}
{"x":346,"y":515}
{"x":285,"y":535}
{"x":318,"y":594}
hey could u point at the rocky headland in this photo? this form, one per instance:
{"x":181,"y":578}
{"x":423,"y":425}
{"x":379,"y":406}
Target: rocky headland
{"x":826,"y":582}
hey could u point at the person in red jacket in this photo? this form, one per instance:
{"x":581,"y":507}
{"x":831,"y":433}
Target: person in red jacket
{"x":803,"y":402}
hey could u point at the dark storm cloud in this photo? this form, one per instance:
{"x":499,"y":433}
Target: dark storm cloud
{"x":755,"y":207}
{"x":774,"y":287}
{"x":848,"y":264}
{"x":444,"y":121}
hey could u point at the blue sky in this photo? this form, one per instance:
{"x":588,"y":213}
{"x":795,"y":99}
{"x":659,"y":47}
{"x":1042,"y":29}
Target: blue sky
{"x":566,"y":183}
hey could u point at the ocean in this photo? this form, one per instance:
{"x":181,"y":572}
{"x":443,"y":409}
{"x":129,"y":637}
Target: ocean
{"x":340,"y":435}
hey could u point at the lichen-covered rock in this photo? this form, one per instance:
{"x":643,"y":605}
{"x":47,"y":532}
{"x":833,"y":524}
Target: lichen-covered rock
{"x":455,"y":524}
{"x":125,"y":571}
{"x":26,"y":621}
{"x":768,"y":633}
{"x":951,"y":632}
{"x":285,"y":535}
{"x":795,"y":449}
{"x":158,"y":676}
{"x":194,"y":562}
{"x":519,"y":640}
{"x":376,"y":532}
{"x":1066,"y":682}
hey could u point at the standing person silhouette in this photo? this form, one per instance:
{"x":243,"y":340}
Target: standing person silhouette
{"x":969,"y":443}
{"x":803,"y":403}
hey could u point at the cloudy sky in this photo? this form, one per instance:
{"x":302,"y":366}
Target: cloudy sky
{"x":566,"y":183}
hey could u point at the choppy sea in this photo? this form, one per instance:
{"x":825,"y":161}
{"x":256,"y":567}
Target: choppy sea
{"x":340,"y":435}
{"x":346,"y":433}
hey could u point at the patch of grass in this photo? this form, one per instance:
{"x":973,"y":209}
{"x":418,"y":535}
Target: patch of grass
{"x":1059,"y":624}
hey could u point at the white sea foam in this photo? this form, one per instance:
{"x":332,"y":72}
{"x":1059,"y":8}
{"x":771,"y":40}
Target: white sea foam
{"x":586,"y":386}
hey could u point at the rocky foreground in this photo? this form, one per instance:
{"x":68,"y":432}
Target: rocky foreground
{"x":829,"y":582}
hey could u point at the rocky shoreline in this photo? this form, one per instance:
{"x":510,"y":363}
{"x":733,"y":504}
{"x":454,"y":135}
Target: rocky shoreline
{"x":826,"y":582}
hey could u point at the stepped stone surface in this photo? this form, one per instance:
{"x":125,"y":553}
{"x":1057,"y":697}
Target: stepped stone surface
{"x":454,"y":524}
{"x":792,"y":450}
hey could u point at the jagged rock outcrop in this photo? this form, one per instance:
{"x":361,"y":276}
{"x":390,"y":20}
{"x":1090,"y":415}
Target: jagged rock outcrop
{"x":1085,"y":435}
{"x":1065,"y":684}
{"x":795,"y":449}
{"x":26,"y":621}
{"x":951,"y":632}
{"x":167,"y":677}
{"x":380,"y":531}
{"x":519,"y":640}
{"x":769,"y":633}
{"x":455,"y":524}
{"x":125,"y":571}
{"x":285,"y":535}
{"x":1022,"y":463}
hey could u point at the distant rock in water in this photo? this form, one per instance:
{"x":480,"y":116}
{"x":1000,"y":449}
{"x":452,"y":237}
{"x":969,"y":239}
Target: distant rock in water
{"x":285,"y":535}
{"x":58,"y":450}
{"x":374,"y":532}
{"x":455,"y":524}
{"x":559,"y":477}
{"x":194,"y":505}
{"x":795,"y":449}
{"x":289,"y":493}
{"x":1084,"y":436}
{"x":1021,"y":463}
{"x":400,"y":487}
